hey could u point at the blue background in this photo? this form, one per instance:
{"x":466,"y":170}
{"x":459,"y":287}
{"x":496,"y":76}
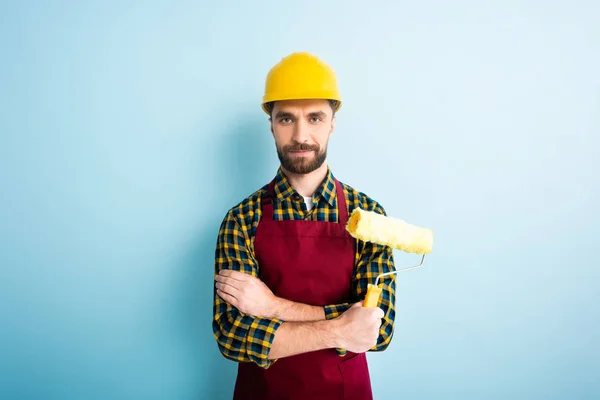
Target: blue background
{"x":127,"y":129}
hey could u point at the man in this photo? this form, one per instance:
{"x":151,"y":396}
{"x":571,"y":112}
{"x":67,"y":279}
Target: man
{"x":289,"y":278}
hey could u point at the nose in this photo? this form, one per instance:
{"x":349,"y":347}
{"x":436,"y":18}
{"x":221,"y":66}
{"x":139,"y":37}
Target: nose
{"x":301,"y":131}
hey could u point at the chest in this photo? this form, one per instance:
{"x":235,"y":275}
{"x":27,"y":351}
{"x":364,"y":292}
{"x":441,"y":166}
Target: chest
{"x":306,"y":261}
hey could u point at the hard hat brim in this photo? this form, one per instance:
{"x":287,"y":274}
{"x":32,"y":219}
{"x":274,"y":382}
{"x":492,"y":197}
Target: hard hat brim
{"x":326,"y":95}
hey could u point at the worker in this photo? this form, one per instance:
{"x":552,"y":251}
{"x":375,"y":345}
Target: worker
{"x":289,"y":279}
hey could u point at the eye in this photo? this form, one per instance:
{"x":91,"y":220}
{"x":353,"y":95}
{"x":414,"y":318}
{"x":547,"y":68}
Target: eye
{"x":315,"y":119}
{"x":285,"y":120}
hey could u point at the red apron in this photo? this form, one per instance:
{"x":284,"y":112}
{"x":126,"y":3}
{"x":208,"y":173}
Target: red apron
{"x":310,"y":262}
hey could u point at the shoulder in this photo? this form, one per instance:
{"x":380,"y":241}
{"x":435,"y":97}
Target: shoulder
{"x":245,"y":213}
{"x":358,"y":199}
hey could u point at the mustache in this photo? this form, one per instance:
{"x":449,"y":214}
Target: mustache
{"x":301,"y":147}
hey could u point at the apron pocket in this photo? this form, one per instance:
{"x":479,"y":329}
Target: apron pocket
{"x":355,"y":375}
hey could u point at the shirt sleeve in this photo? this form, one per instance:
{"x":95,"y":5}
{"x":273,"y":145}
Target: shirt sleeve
{"x":240,"y":337}
{"x":372,"y":260}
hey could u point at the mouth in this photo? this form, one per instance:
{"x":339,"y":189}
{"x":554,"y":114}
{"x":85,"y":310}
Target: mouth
{"x":300,"y":153}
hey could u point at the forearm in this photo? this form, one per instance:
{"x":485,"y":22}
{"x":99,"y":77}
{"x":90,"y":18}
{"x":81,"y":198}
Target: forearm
{"x":294,"y":338}
{"x":291,"y":311}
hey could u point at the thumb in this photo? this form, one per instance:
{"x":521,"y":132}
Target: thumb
{"x":357,"y":305}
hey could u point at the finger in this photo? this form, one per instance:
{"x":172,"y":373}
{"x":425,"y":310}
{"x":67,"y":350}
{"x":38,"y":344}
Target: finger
{"x":227,"y":297}
{"x":355,"y":305}
{"x":239,"y":285}
{"x":228,"y":281}
{"x":238,"y":276}
{"x":376,"y":313}
{"x":231,"y":290}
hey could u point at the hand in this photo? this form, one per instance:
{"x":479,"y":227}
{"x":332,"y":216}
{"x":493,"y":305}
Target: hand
{"x":359,"y":328}
{"x":246,"y":293}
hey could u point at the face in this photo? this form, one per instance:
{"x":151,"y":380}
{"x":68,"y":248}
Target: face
{"x":301,"y":129}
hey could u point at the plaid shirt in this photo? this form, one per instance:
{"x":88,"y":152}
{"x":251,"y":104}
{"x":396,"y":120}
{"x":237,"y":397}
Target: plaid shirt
{"x":246,"y":338}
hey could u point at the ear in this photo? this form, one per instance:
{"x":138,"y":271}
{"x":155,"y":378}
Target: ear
{"x":332,"y":128}
{"x":271,"y":123}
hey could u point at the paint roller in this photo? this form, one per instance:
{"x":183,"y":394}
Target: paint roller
{"x":370,"y":226}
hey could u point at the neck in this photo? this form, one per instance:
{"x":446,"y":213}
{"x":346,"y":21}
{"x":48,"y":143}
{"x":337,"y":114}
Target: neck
{"x":307,"y":184}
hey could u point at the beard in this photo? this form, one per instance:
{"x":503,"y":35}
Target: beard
{"x":301,"y":165}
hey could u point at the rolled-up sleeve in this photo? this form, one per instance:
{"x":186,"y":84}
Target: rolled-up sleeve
{"x":240,"y":337}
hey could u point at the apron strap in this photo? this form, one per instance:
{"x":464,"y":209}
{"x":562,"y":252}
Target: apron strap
{"x":341,"y":204}
{"x":267,"y":202}
{"x":268,"y":199}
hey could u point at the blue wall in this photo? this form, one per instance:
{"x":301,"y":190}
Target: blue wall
{"x":128,"y":130}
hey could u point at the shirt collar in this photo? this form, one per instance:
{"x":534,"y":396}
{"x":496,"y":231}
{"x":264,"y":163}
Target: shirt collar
{"x":284,"y":190}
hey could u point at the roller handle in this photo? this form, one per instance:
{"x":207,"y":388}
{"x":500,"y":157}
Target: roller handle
{"x":374,"y":291}
{"x":372,"y":298}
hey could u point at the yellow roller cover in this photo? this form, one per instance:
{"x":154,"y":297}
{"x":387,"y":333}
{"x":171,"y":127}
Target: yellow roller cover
{"x":372,"y":227}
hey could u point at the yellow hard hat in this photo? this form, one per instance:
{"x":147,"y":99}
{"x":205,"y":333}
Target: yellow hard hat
{"x":301,"y":76}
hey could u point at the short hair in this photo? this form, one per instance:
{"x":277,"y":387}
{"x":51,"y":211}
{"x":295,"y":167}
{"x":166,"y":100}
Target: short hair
{"x":333,"y":103}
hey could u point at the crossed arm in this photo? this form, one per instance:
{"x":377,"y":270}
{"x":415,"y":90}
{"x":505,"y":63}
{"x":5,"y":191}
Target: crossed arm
{"x":250,"y":324}
{"x":306,"y":327}
{"x":251,"y":296}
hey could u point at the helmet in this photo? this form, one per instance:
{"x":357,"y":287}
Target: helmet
{"x":301,"y":76}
